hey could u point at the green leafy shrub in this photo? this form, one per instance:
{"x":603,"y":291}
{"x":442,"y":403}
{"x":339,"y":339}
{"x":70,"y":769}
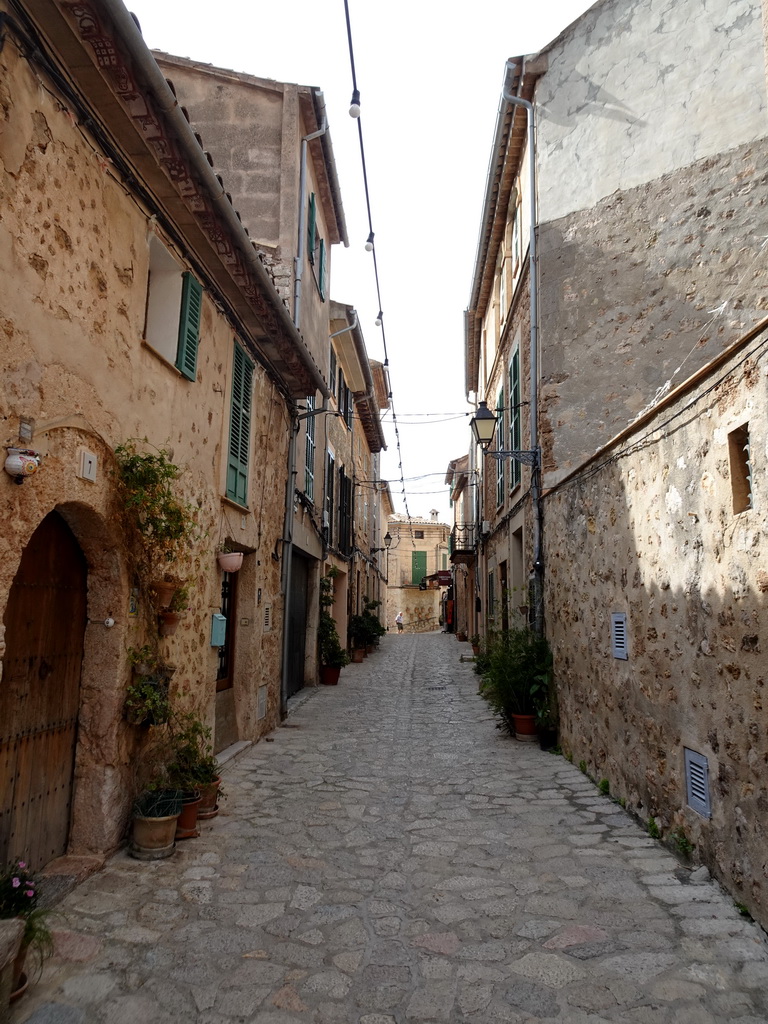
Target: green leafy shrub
{"x":330,"y":651}
{"x":653,"y":829}
{"x":604,"y":786}
{"x":517,"y":667}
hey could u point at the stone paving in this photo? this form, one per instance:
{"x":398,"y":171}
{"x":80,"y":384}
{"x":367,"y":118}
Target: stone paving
{"x":391,"y":858}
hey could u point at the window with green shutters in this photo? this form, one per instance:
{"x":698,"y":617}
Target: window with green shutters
{"x":515,"y":421}
{"x":500,"y":436}
{"x":418,"y":566}
{"x":309,"y":452}
{"x":173,"y":310}
{"x":189,"y":325}
{"x":240,"y":427}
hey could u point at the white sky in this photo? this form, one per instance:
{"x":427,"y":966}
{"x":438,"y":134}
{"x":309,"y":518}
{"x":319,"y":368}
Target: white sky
{"x":429,"y":74}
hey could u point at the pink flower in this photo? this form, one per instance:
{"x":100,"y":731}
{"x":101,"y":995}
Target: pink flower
{"x":29,"y":892}
{"x":15,"y":883}
{"x":22,"y":865}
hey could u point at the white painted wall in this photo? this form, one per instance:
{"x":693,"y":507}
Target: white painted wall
{"x":638,"y":89}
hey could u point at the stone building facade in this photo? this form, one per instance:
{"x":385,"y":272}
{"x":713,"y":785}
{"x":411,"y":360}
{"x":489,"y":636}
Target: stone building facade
{"x":419,"y":550}
{"x":651,"y":283}
{"x":115,"y":233}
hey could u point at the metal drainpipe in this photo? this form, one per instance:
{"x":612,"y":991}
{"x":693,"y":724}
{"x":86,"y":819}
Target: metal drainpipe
{"x":301,"y":245}
{"x":538,"y":565}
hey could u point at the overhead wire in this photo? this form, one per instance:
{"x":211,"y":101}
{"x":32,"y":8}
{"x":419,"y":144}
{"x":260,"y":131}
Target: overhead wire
{"x":356,"y":98}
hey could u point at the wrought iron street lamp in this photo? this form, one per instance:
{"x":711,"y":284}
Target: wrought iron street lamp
{"x":483,"y":425}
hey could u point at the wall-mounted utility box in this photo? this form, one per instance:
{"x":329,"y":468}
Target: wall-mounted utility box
{"x":88,"y":465}
{"x":218,"y":630}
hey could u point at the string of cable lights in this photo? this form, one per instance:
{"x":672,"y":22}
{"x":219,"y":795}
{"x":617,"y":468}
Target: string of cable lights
{"x":354,"y":111}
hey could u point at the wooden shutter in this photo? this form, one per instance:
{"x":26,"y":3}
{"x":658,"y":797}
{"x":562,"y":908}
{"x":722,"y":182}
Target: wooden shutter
{"x":312,"y":227}
{"x":515,"y":432}
{"x":418,"y":566}
{"x":240,"y":427}
{"x":189,"y":325}
{"x":501,"y":437}
{"x":321,"y":271}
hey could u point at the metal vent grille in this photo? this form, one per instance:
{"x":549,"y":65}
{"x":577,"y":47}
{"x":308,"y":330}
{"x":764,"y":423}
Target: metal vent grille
{"x":619,"y":644}
{"x":267,"y":618}
{"x":697,"y":783}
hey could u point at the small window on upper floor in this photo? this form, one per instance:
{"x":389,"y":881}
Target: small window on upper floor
{"x":739,"y":452}
{"x":418,"y":534}
{"x":174,"y":306}
{"x":316,"y":247}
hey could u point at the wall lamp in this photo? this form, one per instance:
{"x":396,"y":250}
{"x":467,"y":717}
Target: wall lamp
{"x":483,"y":425}
{"x":387,"y":542}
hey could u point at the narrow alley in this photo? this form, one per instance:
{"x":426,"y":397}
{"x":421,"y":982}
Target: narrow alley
{"x":389,"y":856}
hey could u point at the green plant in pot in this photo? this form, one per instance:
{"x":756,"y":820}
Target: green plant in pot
{"x":19,"y":897}
{"x":162,"y":524}
{"x":373,"y":630}
{"x":192,"y":767}
{"x":517,"y":666}
{"x":147,"y":702}
{"x":333,"y":657}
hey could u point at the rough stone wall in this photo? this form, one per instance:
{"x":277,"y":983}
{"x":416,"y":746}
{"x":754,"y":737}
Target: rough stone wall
{"x":421,"y":609}
{"x":641,"y":290}
{"x":649,"y":530}
{"x":653,"y":208}
{"x":74,"y":256}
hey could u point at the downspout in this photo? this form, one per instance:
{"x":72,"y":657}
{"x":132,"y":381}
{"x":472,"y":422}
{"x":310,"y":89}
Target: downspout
{"x":538,"y":564}
{"x":298,"y":259}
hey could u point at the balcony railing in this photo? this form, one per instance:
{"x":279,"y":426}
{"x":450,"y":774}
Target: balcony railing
{"x":463,"y":542}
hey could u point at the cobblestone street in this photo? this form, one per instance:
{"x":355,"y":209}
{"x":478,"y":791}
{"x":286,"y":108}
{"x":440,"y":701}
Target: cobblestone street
{"x":389,"y":856}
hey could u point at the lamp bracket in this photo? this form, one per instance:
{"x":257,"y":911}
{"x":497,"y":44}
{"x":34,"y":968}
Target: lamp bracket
{"x":528,"y":458}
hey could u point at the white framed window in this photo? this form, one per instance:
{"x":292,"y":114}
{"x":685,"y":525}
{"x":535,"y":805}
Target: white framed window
{"x":174,"y":307}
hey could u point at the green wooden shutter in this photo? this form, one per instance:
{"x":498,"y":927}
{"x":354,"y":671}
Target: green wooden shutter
{"x":418,"y":566}
{"x":321,"y":271}
{"x":515,"y":419}
{"x":189,"y":325}
{"x":240,"y":427}
{"x":500,"y":438}
{"x":312,"y":226}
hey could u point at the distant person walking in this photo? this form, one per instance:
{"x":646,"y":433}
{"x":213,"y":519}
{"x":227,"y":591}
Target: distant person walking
{"x":399,"y":622}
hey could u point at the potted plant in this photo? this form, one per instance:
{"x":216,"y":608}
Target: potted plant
{"x":373,"y":630}
{"x":160,"y":524}
{"x":146,"y":701}
{"x":332,"y":655}
{"x":515,"y":682}
{"x":475,"y":641}
{"x":192,"y":765}
{"x":228,"y":559}
{"x":172,"y":615}
{"x":155,"y":816}
{"x":19,"y":898}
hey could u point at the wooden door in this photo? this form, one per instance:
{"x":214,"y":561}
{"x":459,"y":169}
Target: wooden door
{"x":40,"y":695}
{"x":225,"y":675}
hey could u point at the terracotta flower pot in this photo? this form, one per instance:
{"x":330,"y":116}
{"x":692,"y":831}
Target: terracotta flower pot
{"x":186,"y":827}
{"x":525,"y":727}
{"x":209,"y":800}
{"x":357,"y":655}
{"x":153,"y":838}
{"x":164,"y":592}
{"x":169,"y":622}
{"x":329,"y":676}
{"x":230,"y":561}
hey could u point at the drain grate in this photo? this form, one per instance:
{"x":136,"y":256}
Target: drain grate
{"x":435,"y":687}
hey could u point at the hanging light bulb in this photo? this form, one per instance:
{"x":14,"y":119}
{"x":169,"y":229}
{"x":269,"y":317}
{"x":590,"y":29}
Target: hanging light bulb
{"x":379,"y":318}
{"x":369,"y":243}
{"x":354,"y":106}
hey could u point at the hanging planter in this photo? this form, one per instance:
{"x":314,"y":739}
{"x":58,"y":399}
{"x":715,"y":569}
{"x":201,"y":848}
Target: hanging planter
{"x":230,"y":561}
{"x":169,"y":622}
{"x":164,"y":592}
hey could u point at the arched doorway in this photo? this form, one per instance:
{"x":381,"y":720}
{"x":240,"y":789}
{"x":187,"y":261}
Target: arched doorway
{"x":40,"y":695}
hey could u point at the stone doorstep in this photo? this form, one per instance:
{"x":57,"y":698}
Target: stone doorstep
{"x":230,"y":753}
{"x":62,"y":875}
